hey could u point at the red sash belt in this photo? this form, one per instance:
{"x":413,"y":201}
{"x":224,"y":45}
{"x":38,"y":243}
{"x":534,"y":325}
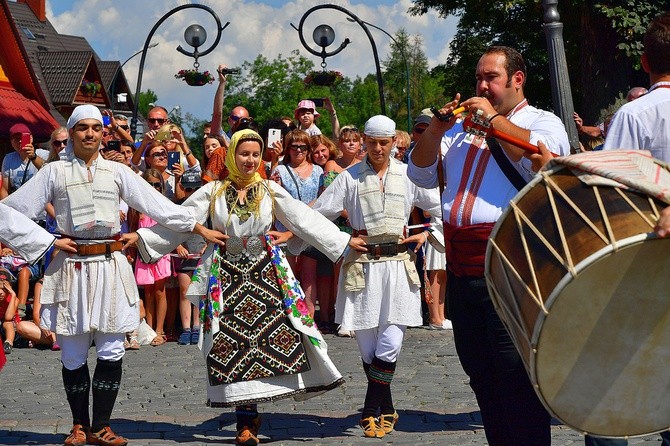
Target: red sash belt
{"x":466,"y":248}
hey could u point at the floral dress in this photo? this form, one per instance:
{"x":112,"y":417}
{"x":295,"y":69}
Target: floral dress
{"x":259,"y":342}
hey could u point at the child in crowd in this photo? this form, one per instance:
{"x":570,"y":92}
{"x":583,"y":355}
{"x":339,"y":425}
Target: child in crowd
{"x":23,"y":273}
{"x":153,"y":276}
{"x":184,"y":263}
{"x":13,"y":327}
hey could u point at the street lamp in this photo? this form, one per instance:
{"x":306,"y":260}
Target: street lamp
{"x":561,"y":93}
{"x":324,"y":36}
{"x":194,"y":35}
{"x":404,"y":58}
{"x":118,"y":70}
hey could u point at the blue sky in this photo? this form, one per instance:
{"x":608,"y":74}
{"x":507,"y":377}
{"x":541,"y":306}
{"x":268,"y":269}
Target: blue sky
{"x":118,"y":28}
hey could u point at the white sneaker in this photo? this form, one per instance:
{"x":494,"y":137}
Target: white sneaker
{"x":445,"y":325}
{"x":345,"y":333}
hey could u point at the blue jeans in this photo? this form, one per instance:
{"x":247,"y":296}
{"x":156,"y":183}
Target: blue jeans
{"x":593,"y":441}
{"x":510,"y":409}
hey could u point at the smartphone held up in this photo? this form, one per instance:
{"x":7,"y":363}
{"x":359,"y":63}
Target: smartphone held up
{"x":26,"y":140}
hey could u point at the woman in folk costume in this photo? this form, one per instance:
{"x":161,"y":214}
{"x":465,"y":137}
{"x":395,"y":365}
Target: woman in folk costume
{"x":378,"y":295}
{"x":259,"y":342}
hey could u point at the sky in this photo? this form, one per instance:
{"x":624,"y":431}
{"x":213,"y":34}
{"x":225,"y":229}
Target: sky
{"x":116,"y":29}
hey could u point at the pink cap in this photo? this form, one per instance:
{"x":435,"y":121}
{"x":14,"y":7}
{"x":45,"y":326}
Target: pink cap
{"x":306,"y":104}
{"x":19,"y":128}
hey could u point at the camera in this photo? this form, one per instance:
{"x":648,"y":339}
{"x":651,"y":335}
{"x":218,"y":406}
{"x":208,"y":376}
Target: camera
{"x":229,"y":71}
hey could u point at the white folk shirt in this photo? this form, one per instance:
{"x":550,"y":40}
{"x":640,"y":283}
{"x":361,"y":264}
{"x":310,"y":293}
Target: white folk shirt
{"x":643,"y":124}
{"x":24,"y":236}
{"x":388,"y":296}
{"x":81,"y":294}
{"x":476,"y":189}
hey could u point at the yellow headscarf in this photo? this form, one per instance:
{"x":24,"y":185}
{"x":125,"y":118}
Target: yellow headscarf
{"x":234,"y":173}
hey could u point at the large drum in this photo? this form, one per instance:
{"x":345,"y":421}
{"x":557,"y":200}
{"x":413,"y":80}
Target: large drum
{"x":583,"y":286}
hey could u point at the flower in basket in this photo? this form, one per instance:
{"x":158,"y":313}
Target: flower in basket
{"x":90,"y":88}
{"x":195,"y":77}
{"x":323,"y":78}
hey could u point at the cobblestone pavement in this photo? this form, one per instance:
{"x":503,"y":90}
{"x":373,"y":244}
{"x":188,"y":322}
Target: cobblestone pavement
{"x":161,"y":401}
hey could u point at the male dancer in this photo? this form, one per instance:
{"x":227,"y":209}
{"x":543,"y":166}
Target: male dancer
{"x":91,"y":295}
{"x":378,"y":294}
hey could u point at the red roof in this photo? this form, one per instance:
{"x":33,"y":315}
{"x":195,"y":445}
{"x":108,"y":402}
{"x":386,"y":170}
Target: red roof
{"x":18,"y":108}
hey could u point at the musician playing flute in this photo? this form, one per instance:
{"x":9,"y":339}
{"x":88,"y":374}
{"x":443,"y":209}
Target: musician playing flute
{"x":378,"y":295}
{"x":477,"y":189}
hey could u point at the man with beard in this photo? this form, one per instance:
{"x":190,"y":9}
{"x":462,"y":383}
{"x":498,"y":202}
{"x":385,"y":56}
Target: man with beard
{"x":478,"y":188}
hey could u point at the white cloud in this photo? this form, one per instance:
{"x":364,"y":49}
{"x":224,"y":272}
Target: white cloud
{"x":118,"y":28}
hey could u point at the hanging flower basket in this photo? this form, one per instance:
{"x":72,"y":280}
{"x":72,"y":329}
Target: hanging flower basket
{"x":194,"y":77}
{"x":323,"y":78}
{"x":90,"y":88}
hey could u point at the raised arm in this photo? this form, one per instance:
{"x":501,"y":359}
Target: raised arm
{"x":217,"y":110}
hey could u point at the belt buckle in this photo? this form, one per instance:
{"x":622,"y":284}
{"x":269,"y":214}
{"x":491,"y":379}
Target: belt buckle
{"x":108,"y":250}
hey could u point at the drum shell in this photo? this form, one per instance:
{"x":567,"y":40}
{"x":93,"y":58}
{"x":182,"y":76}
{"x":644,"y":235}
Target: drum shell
{"x":561,"y":322}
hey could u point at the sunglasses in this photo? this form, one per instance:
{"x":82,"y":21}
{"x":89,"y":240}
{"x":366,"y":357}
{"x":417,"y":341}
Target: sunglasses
{"x":160,"y":121}
{"x":59,"y":142}
{"x":191,"y":189}
{"x":158,"y":155}
{"x":235,"y":118}
{"x":419,"y":129}
{"x":156,"y":184}
{"x":299,"y":147}
{"x":125,"y":127}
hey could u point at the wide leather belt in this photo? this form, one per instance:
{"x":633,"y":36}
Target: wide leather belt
{"x":97,"y":249}
{"x":386,"y":249}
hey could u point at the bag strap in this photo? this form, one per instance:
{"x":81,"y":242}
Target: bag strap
{"x":505,"y":164}
{"x":297,"y":186}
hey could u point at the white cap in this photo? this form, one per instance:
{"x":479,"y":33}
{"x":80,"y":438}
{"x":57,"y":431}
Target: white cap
{"x":380,"y":126}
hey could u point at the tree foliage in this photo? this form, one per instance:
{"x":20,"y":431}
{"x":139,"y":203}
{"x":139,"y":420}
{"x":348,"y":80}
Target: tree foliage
{"x":271,"y":89}
{"x":602,"y":44}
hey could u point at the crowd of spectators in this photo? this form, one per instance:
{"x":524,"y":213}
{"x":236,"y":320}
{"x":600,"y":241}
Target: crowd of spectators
{"x":298,"y":156}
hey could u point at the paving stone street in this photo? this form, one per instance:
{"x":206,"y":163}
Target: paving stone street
{"x":162,"y":398}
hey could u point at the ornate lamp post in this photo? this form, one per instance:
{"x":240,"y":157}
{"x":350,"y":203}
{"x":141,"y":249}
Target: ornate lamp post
{"x":558,"y":71}
{"x":194,"y":35}
{"x":324,"y":36}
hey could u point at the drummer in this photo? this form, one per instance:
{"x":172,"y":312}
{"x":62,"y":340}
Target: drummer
{"x":478,"y":188}
{"x":642,"y":125}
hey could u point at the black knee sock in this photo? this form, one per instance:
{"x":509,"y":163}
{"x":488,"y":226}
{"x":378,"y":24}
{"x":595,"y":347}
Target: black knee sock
{"x":380,"y":375}
{"x":106,"y":382}
{"x":386,"y":406}
{"x":366,"y":369}
{"x":77,"y":385}
{"x":245,"y":415}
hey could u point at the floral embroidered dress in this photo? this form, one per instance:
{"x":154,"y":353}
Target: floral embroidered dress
{"x":259,"y":342}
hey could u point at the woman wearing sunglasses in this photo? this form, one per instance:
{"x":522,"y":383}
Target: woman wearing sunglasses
{"x":301,"y":178}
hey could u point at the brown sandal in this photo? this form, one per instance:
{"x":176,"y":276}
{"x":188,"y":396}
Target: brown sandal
{"x":160,"y":339}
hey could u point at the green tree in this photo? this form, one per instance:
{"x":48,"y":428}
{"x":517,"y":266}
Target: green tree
{"x":601,"y":43}
{"x":146,"y":98}
{"x":272,"y":88}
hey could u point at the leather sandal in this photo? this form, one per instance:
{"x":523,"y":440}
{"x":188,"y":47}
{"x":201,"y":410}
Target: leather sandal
{"x":388,"y":421}
{"x":160,"y":339}
{"x":106,"y":437}
{"x":78,"y":436}
{"x":371,"y":429}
